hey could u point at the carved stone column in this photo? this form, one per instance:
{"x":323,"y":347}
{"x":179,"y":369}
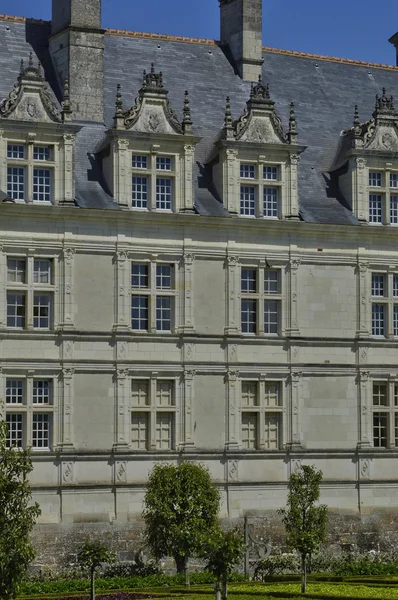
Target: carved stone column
{"x":364,"y":293}
{"x":66,"y":438}
{"x":231,"y":177}
{"x":292,"y":203}
{"x":292,"y":324}
{"x":122,"y":291}
{"x":3,"y":282}
{"x":234,"y":410}
{"x":122,"y":172}
{"x":365,"y":425}
{"x":188,"y":313}
{"x":189,"y":396}
{"x":67,"y":320}
{"x":122,"y":411}
{"x":186,"y":203}
{"x":233,"y":294}
{"x":360,"y":202}
{"x":295,"y":442}
{"x":68,"y":191}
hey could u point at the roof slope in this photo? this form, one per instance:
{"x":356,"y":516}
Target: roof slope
{"x":324,"y":93}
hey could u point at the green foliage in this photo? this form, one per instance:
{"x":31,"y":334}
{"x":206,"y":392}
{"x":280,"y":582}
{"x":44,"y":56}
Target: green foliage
{"x":277,"y":564}
{"x":17,"y":516}
{"x":304,"y":520}
{"x":224,"y":550}
{"x":92,"y":554}
{"x":180,"y":510}
{"x":368,"y":564}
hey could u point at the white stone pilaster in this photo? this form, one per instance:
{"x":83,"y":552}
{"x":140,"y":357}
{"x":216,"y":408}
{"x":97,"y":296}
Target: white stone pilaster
{"x":234,"y":410}
{"x":231,"y":179}
{"x":66,"y":187}
{"x":292,"y":200}
{"x":189,"y":397}
{"x":67,"y":316}
{"x":295,"y":412}
{"x":65,"y":412}
{"x":233,"y":289}
{"x":292,"y":322}
{"x":122,"y":291}
{"x":188,"y":313}
{"x":360,"y":199}
{"x":365,"y":425}
{"x":122,"y":410}
{"x":121,"y":172}
{"x":186,"y":195}
{"x":364,"y":293}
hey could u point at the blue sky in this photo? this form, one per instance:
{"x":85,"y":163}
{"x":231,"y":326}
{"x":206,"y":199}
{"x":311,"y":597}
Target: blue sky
{"x":346,"y":28}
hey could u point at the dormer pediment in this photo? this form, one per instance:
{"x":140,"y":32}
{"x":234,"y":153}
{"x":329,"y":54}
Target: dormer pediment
{"x":30,"y":100}
{"x":152,"y":112}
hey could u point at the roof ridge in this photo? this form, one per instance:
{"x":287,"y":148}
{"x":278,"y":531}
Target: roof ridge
{"x":208,"y":42}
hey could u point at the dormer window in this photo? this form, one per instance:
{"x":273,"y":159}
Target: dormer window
{"x":262,"y":197}
{"x":383,"y":197}
{"x":150,"y":190}
{"x":30,"y":172}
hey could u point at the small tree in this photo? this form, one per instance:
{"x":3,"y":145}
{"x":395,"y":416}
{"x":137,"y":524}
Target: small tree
{"x":17,"y":517}
{"x":180,"y":510}
{"x":91,"y":556}
{"x":224,"y":550}
{"x":304,"y":520}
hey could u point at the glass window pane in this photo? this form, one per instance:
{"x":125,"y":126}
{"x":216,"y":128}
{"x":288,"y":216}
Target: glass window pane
{"x":42,"y":391}
{"x":41,"y":431}
{"x":139,"y":275}
{"x":395,"y":320}
{"x":247,"y":201}
{"x":249,"y":431}
{"x":247,"y":171}
{"x":380,"y":430}
{"x":375,"y":179}
{"x":375,"y":208}
{"x":271,"y":282}
{"x":394,"y":209}
{"x":271,"y":203}
{"x":42,"y":311}
{"x":270,"y":173}
{"x":163,"y":193}
{"x":41,"y":185}
{"x":16,"y":270}
{"x":378,"y":319}
{"x":140,"y":392}
{"x":271,"y":316}
{"x":393,"y":180}
{"x":164,"y":431}
{"x":14,"y":391}
{"x":249,"y":280}
{"x":15,"y":151}
{"x":15,"y":310}
{"x":249,"y":316}
{"x":164,"y":163}
{"x":249,"y":393}
{"x":164,"y":279}
{"x":15,"y":430}
{"x":42,"y":153}
{"x":139,"y":431}
{"x":163,"y":313}
{"x":380,"y":397}
{"x":139,"y":192}
{"x":139,"y":162}
{"x":139,"y":313}
{"x":16,"y":183}
{"x":378,"y":284}
{"x":42,"y":271}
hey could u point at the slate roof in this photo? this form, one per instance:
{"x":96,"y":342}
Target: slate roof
{"x":324,"y":92}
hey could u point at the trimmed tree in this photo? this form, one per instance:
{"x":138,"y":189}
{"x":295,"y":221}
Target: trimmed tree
{"x":17,"y":516}
{"x":180,"y":511}
{"x":224,"y":550}
{"x":92,"y":555}
{"x":304,"y":519}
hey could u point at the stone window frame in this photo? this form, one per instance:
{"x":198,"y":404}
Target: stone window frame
{"x":28,"y":409}
{"x":387,"y":410}
{"x":385,"y":190}
{"x":61,"y":165}
{"x":260,"y":409}
{"x":260,"y":184}
{"x":29,"y":289}
{"x":389,"y":300}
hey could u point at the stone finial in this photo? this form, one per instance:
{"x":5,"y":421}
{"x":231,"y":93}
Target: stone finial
{"x":152,"y":79}
{"x":357,"y":123}
{"x":384,"y":104}
{"x":31,"y":60}
{"x":260,"y":91}
{"x":66,"y":107}
{"x":187,"y":121}
{"x":39,"y":69}
{"x":228,"y":121}
{"x":292,"y":135}
{"x":22,"y":66}
{"x":119,"y":115}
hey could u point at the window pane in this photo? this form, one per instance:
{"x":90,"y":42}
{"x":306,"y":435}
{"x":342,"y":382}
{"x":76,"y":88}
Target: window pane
{"x":15,"y":310}
{"x":272,"y":395}
{"x":165,"y":393}
{"x":139,"y":275}
{"x":42,"y":305}
{"x":271,"y":203}
{"x":247,"y":201}
{"x":41,"y":153}
{"x":163,"y":194}
{"x":270,"y":173}
{"x":380,"y":397}
{"x":140,"y":392}
{"x":15,"y":151}
{"x":375,"y":208}
{"x":139,"y":313}
{"x":378,"y":284}
{"x":15,"y":430}
{"x":393,"y":180}
{"x":395,"y":320}
{"x":394,"y":209}
{"x":164,"y":279}
{"x":163,"y":163}
{"x":247,"y":171}
{"x":249,"y":316}
{"x":164,"y":431}
{"x":139,"y":162}
{"x":271,"y":316}
{"x":42,"y":271}
{"x":16,"y":183}
{"x":395,"y":394}
{"x":249,"y":431}
{"x":272,"y":431}
{"x":396,"y":430}
{"x":380,"y":430}
{"x":395,"y":286}
{"x":249,"y":393}
{"x":41,"y":391}
{"x":249,"y":280}
{"x":139,"y":431}
{"x":271,"y":282}
{"x":16,"y":270}
{"x":375,"y":179}
{"x":163,"y":313}
{"x":41,"y":185}
{"x":41,"y":431}
{"x":378,"y":319}
{"x":140,"y":192}
{"x":14,"y":391}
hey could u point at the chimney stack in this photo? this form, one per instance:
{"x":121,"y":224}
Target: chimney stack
{"x":394,"y":41}
{"x":241,"y":29}
{"x":77,"y":51}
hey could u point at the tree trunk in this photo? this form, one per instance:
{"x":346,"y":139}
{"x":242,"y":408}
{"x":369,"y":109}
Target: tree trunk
{"x":303,"y":573}
{"x":224,"y":586}
{"x":180,"y":564}
{"x":186,"y":571}
{"x":92,"y":588}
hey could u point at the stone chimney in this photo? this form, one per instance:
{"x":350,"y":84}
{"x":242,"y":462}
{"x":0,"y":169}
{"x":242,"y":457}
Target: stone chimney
{"x":77,"y":51}
{"x":241,"y":29}
{"x":394,"y":41}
